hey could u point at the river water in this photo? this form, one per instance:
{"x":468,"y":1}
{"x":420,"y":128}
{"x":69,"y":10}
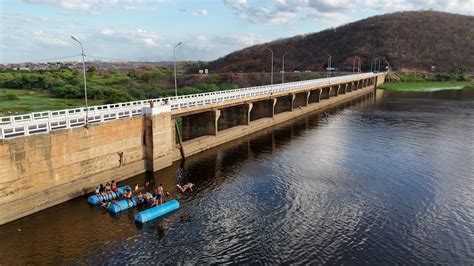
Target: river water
{"x":384,"y":179}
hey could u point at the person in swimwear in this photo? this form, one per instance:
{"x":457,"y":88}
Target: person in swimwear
{"x":159,"y":193}
{"x":113,"y":187}
{"x":185,"y":187}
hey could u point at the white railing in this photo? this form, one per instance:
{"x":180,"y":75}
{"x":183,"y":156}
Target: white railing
{"x":44,"y":122}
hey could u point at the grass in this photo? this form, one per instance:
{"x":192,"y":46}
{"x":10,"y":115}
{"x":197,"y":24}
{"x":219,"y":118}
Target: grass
{"x":426,"y":86}
{"x":29,"y":101}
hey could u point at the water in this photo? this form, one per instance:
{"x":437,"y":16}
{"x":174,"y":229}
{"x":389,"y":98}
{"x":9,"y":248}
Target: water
{"x":381,"y":180}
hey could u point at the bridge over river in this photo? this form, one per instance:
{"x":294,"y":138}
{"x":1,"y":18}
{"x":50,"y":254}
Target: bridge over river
{"x":53,"y":156}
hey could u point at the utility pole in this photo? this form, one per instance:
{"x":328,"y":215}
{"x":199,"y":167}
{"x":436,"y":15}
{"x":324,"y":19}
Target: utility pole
{"x":283,"y":69}
{"x":85,"y":80}
{"x":329,"y":66}
{"x":353,"y":65}
{"x":174,"y":61}
{"x":271,"y":78}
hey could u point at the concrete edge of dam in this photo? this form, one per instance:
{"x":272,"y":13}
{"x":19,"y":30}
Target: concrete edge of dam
{"x":41,"y":171}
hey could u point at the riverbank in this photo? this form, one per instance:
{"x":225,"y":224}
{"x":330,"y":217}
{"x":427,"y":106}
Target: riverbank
{"x":426,"y":86}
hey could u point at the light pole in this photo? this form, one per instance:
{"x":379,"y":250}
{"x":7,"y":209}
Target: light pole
{"x":353,"y":65}
{"x":174,"y":61}
{"x":283,"y":69}
{"x":271,"y":78}
{"x":85,"y":81}
{"x":329,"y":66}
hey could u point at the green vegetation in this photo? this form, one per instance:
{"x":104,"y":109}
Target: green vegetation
{"x":64,"y":88}
{"x":309,"y":75}
{"x":26,"y":101}
{"x":426,"y":86}
{"x":458,"y":74}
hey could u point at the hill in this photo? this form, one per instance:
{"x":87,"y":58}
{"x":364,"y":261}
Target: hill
{"x":410,"y":40}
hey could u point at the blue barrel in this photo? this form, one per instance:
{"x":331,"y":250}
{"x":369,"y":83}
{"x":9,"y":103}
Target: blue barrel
{"x":122,"y":205}
{"x":94,"y":199}
{"x":157,"y":211}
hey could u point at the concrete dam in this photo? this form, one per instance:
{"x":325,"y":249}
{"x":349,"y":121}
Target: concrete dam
{"x":50,"y":157}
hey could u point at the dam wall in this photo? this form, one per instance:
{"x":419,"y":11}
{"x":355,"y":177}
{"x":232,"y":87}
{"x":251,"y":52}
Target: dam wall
{"x":39,"y":171}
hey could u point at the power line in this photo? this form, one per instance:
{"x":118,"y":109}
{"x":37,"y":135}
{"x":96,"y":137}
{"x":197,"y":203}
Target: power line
{"x":108,"y":58}
{"x":55,"y":58}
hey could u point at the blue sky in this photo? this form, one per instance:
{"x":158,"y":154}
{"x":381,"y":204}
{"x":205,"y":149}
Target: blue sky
{"x":35,"y":30}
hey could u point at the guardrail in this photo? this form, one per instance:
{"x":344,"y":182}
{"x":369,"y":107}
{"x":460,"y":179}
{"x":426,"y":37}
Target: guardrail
{"x":47,"y":121}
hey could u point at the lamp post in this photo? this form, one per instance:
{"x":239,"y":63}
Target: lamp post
{"x":353,"y":65}
{"x":283,"y":69}
{"x":271,"y":78}
{"x":329,"y":68}
{"x":85,"y":81}
{"x":174,"y":61}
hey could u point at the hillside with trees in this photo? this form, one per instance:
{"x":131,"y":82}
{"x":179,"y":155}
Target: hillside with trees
{"x":414,"y":40}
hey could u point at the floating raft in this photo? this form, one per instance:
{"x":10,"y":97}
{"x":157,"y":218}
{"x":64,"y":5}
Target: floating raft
{"x":157,"y":211}
{"x":94,"y":199}
{"x":122,"y":205}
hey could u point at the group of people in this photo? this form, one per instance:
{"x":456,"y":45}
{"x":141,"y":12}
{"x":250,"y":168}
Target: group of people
{"x":146,"y":195}
{"x":149,"y":196}
{"x":102,"y":191}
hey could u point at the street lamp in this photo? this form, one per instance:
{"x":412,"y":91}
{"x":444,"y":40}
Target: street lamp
{"x":283,"y":69}
{"x":373,"y":64}
{"x":353,"y":64}
{"x":85,"y":81}
{"x":174,"y":61}
{"x":271,"y":78}
{"x":329,"y":68}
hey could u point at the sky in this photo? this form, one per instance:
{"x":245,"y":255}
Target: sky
{"x":148,"y":30}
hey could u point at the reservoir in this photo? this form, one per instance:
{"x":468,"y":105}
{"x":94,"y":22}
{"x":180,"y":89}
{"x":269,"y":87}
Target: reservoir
{"x":386,"y":178}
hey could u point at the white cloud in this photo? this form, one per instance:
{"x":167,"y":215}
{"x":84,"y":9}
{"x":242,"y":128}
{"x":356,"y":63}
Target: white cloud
{"x":237,"y":4}
{"x":49,"y":39}
{"x":334,"y":11}
{"x":249,"y":39}
{"x":200,"y":12}
{"x":98,"y":5}
{"x":149,"y":38}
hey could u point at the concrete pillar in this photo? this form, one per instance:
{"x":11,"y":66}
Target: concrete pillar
{"x":293,"y":96}
{"x":307,"y":97}
{"x":249,"y":110}
{"x":274,"y":103}
{"x":158,"y":139}
{"x":216,"y":118}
